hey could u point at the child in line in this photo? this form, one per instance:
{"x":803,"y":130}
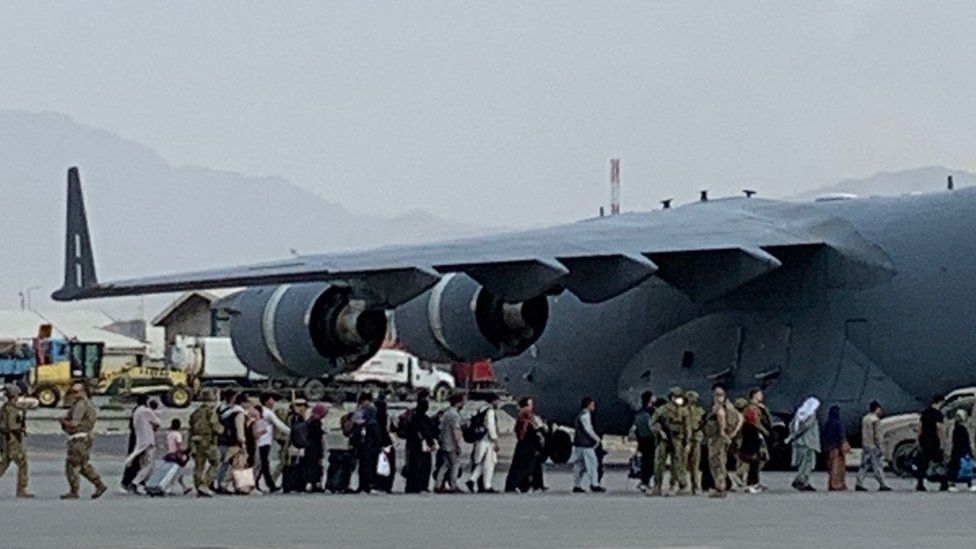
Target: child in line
{"x":176,"y":452}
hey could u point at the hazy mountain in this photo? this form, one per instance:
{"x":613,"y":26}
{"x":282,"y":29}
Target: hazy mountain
{"x":914,"y":180}
{"x":149,"y":217}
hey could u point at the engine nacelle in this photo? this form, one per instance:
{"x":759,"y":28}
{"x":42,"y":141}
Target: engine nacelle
{"x":458,"y":320}
{"x":306,"y":330}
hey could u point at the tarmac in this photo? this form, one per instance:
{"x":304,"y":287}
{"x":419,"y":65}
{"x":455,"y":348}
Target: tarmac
{"x":620,"y":518}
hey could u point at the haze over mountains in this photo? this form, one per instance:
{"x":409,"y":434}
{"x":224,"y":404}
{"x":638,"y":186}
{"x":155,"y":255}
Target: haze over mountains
{"x":149,"y":217}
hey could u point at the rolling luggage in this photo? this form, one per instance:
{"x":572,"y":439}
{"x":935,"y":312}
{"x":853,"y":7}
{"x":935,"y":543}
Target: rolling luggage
{"x":341,"y":465}
{"x":292,"y":478}
{"x":162,"y":478}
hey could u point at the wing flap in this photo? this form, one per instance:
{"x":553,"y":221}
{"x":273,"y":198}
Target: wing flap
{"x":706,"y":275}
{"x":599,"y":278}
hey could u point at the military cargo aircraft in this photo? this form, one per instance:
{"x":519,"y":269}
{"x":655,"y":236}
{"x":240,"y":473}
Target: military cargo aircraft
{"x":847,"y":299}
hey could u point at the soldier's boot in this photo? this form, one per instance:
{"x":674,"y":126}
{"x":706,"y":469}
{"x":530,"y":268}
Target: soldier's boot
{"x":100,"y":489}
{"x":696,"y":482}
{"x":70,"y":495}
{"x":22,"y":479}
{"x":655,"y":491}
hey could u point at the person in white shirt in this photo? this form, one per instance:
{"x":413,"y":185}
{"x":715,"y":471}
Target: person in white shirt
{"x":270,"y":422}
{"x":145,"y":423}
{"x":484,"y":456}
{"x":585,"y":442}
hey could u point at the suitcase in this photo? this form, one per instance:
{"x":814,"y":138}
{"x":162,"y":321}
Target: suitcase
{"x":162,"y":478}
{"x":293,"y":478}
{"x":339,"y":473}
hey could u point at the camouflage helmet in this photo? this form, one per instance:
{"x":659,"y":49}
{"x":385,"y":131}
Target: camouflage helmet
{"x":12,"y":390}
{"x":692,"y":396}
{"x":675,"y":392}
{"x":740,"y":404}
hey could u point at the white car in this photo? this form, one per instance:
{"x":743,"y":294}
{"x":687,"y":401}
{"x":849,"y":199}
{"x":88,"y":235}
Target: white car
{"x":899,"y":433}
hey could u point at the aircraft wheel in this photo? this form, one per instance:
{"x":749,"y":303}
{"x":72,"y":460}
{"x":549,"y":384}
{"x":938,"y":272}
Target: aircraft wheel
{"x":315,"y":390}
{"x":902,"y":458}
{"x":441,"y":392}
{"x":559,"y":446}
{"x":47,"y":396}
{"x":179,"y":396}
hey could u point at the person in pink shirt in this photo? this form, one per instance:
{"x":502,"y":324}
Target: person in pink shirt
{"x":176,"y":451}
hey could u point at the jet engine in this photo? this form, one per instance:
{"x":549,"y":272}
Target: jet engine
{"x":308,"y":329}
{"x":459,"y":320}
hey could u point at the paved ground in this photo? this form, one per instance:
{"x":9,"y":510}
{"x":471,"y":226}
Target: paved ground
{"x":621,"y":518}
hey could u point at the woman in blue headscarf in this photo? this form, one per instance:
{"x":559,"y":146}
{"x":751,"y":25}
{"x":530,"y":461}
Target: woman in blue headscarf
{"x":837,"y":448}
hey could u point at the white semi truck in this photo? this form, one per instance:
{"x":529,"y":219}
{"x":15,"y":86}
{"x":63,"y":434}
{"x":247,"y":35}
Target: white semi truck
{"x":212,"y":363}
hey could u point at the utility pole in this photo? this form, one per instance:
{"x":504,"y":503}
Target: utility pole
{"x":25,"y":298}
{"x":614,"y":186}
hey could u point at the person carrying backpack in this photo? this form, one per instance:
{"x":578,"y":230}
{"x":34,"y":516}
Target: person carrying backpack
{"x":484,"y":455}
{"x":233,"y":438}
{"x":293,"y":470}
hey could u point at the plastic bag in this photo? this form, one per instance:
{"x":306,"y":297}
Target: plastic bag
{"x":634,"y":464}
{"x":243,"y":480}
{"x":383,"y":465}
{"x":965,"y":469}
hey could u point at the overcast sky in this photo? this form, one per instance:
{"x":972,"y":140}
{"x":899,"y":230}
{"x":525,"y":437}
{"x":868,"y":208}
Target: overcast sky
{"x":507,"y":113}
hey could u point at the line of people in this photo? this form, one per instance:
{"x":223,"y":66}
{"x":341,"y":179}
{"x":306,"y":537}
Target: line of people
{"x":231,"y":446}
{"x":232,"y":443}
{"x":671,"y":434}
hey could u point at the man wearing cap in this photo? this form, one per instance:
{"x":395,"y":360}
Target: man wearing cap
{"x":13,"y":429}
{"x":673,"y":431}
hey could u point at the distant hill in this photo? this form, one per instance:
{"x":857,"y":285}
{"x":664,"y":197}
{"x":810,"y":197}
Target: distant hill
{"x":926,"y":179}
{"x":150,"y":217}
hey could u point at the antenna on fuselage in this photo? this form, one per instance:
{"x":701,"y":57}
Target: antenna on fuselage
{"x":949,"y":183}
{"x":666,"y":203}
{"x":748,"y":192}
{"x":704,"y":196}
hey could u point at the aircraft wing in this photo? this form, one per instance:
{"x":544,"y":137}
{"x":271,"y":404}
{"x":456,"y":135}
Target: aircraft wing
{"x":705,"y":249}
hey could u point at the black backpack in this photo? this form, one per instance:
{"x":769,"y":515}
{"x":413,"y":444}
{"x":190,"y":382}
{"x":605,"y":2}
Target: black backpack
{"x":475,"y":429}
{"x":229,"y":436}
{"x":403,"y":424}
{"x":299,"y":435}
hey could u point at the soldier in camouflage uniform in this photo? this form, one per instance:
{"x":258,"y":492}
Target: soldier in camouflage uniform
{"x":741,"y":467}
{"x":721,"y":427}
{"x":673,"y":432}
{"x":13,"y":428}
{"x":204,"y":428}
{"x":696,"y":424}
{"x":78,"y":424}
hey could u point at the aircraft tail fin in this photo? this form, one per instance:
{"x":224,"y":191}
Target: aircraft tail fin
{"x":79,"y":261}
